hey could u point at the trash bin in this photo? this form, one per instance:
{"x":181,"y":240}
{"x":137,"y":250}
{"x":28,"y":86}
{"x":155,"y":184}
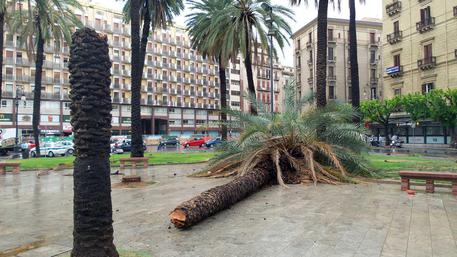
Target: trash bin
{"x":25,"y":153}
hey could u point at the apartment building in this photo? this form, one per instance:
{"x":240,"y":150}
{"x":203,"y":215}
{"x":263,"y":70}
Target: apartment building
{"x":369,"y":32}
{"x":180,"y":91}
{"x":287,"y":79}
{"x":420,"y":47}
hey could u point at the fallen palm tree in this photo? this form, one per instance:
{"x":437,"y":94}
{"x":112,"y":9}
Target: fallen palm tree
{"x":316,"y":145}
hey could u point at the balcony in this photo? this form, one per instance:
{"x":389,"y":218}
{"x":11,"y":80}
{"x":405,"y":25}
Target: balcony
{"x":126,"y":73}
{"x":373,"y":81}
{"x":331,"y":59}
{"x":310,"y":62}
{"x":126,"y":87}
{"x":395,"y":71}
{"x":395,"y":37}
{"x":126,"y":100}
{"x":393,"y":8}
{"x":309,"y":44}
{"x":331,"y":77}
{"x":331,"y":40}
{"x":425,"y":25}
{"x":22,"y":62}
{"x":116,"y":100}
{"x":116,"y":71}
{"x":310,"y":81}
{"x":116,"y":86}
{"x":427,"y":63}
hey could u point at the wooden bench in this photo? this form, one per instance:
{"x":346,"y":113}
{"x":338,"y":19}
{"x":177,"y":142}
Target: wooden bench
{"x":14,"y":165}
{"x":133,"y":161}
{"x":429,"y":177}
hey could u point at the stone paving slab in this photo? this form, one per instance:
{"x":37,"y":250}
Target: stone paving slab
{"x":347,"y":220}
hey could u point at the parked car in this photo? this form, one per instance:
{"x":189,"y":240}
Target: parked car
{"x":213,"y":142}
{"x":126,"y":146}
{"x":169,"y":142}
{"x":51,"y":149}
{"x":196,"y":141}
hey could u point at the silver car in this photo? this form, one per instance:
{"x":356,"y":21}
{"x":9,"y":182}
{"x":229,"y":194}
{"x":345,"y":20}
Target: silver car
{"x":52,"y":149}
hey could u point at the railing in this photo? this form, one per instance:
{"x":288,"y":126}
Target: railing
{"x":427,"y":63}
{"x":395,"y":71}
{"x":395,"y":37}
{"x":425,"y":25}
{"x":331,"y":77}
{"x":331,"y":59}
{"x":393,"y":8}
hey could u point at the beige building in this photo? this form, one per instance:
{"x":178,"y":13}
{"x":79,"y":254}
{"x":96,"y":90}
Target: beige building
{"x":288,"y":77}
{"x":180,"y":91}
{"x":420,"y":47}
{"x":338,"y":66}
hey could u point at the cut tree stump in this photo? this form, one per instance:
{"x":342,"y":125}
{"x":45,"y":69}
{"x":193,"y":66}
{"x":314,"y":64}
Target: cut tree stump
{"x":131,"y":179}
{"x":219,"y":198}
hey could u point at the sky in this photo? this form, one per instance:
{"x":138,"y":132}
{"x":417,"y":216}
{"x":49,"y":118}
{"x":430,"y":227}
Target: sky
{"x":303,"y":14}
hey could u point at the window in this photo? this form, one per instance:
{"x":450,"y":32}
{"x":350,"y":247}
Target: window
{"x":235,"y":92}
{"x":396,"y":27}
{"x":373,"y":73}
{"x":426,"y":15}
{"x":349,"y":92}
{"x":397,"y":60}
{"x":373,"y":56}
{"x":331,"y":71}
{"x":330,"y":53}
{"x":310,"y":37}
{"x":330,"y":34}
{"x":331,"y":90}
{"x":397,"y":91}
{"x":373,"y":94}
{"x":4,"y":103}
{"x":428,"y":53}
{"x":427,"y":87}
{"x":233,"y":103}
{"x":200,"y":122}
{"x":372,"y":38}
{"x":311,"y":56}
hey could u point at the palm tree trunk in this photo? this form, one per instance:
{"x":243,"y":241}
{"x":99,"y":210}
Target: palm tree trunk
{"x":223,"y":80}
{"x":219,"y":198}
{"x":321,"y":58}
{"x":386,"y":133}
{"x":2,"y":24}
{"x":37,"y":90}
{"x":137,"y":130}
{"x":453,"y":134}
{"x":91,"y":121}
{"x":250,"y":77}
{"x":355,"y":89}
{"x":144,"y":36}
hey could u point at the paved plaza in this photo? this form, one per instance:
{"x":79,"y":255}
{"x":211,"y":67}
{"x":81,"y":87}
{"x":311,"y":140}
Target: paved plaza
{"x":347,"y":220}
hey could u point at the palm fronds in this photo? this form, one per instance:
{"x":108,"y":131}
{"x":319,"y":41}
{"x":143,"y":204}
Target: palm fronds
{"x":303,"y":143}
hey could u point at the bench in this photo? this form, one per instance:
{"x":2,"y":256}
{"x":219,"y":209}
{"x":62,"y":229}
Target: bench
{"x":429,"y":177}
{"x":14,"y":165}
{"x":133,"y":161}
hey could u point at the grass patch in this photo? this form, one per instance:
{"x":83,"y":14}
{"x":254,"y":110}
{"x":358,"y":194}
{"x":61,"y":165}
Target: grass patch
{"x":154,"y":159}
{"x":389,"y":165}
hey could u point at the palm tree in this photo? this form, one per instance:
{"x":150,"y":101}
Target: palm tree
{"x":247,"y":31}
{"x":3,"y":12}
{"x":45,"y":20}
{"x":355,"y":87}
{"x":286,"y":148}
{"x":321,"y":55}
{"x":154,"y":14}
{"x":207,"y":29}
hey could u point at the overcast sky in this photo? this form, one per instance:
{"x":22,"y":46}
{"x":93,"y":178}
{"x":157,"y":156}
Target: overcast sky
{"x":303,"y":14}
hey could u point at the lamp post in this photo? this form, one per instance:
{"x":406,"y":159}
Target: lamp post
{"x":16,"y":140}
{"x":271,"y":33}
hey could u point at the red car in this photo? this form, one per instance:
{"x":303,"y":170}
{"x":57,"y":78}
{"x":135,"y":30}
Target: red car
{"x":196,"y":141}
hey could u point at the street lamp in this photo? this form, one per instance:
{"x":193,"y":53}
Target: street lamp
{"x":16,"y":140}
{"x":271,"y":33}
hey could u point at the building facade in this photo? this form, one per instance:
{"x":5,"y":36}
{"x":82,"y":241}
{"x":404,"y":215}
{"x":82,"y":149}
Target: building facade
{"x":338,"y":65}
{"x":180,"y":91}
{"x":420,"y":47}
{"x":287,"y":79}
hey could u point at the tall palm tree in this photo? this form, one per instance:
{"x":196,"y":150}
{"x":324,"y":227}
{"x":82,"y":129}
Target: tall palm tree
{"x":248,"y":31}
{"x":321,"y":55}
{"x":3,"y":12}
{"x":45,"y":20}
{"x":355,"y":87}
{"x":154,"y":14}
{"x":207,"y":30}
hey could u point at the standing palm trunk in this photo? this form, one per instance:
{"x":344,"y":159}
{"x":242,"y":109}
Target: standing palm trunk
{"x":321,"y":60}
{"x":91,"y":120}
{"x":137,"y":130}
{"x":37,"y":89}
{"x":223,"y":79}
{"x":250,"y":76}
{"x":355,"y":89}
{"x":2,"y":24}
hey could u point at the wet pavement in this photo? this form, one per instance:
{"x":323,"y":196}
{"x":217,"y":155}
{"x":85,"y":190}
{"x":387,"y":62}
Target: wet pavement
{"x":346,"y":220}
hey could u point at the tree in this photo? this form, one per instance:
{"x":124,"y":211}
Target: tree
{"x":247,"y":32}
{"x":154,"y":14}
{"x":281,"y":148}
{"x":355,"y":87}
{"x":207,"y":30}
{"x":321,"y":55}
{"x":380,"y":112}
{"x":416,"y":106}
{"x":45,"y":20}
{"x":442,"y":106}
{"x":90,"y":107}
{"x":3,"y":13}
